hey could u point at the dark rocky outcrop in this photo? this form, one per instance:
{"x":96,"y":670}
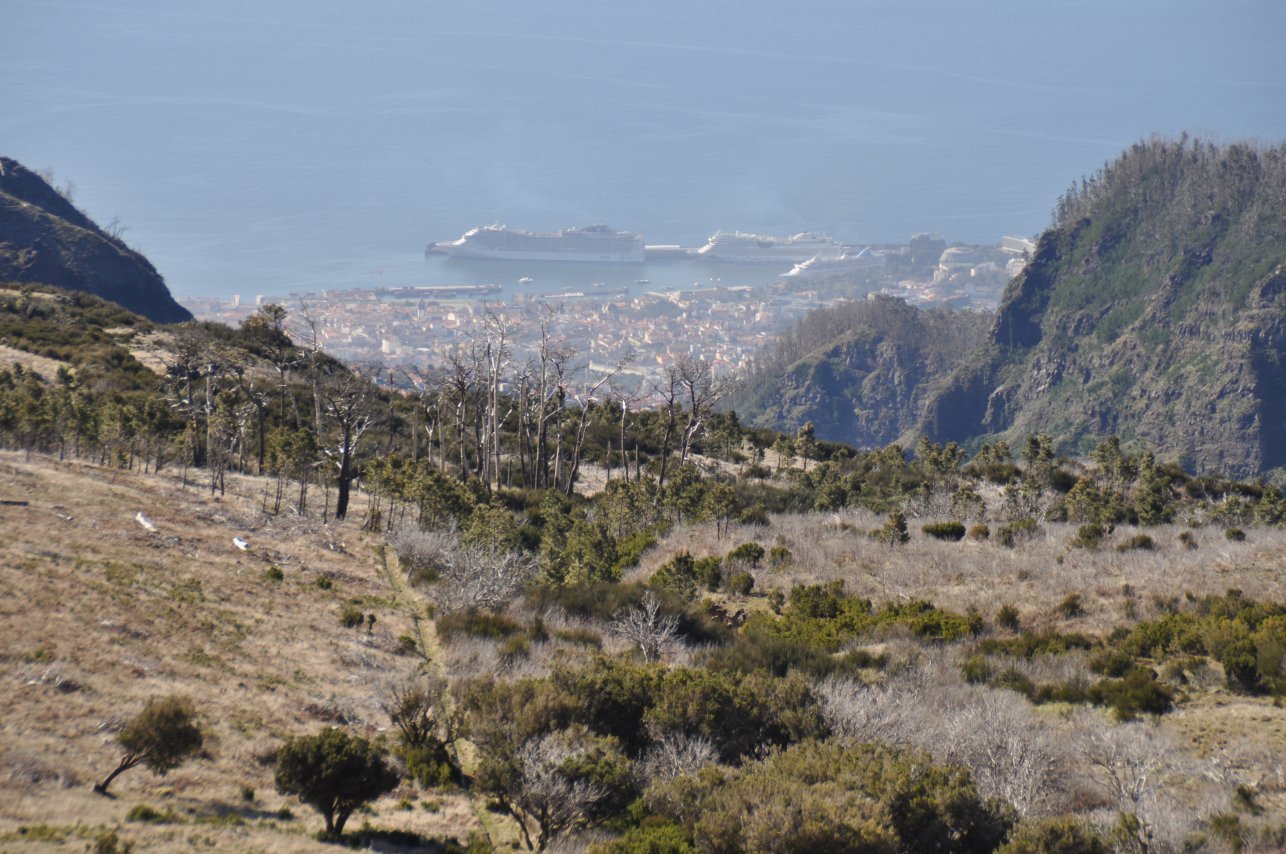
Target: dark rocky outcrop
{"x":866,"y":385}
{"x":44,"y":239}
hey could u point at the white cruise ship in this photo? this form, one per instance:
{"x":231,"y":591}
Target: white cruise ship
{"x":737,"y":247}
{"x":593,"y":243}
{"x":819,"y":267}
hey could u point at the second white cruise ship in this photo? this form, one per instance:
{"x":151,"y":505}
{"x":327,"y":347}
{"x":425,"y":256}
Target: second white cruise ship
{"x":593,"y":243}
{"x":736,"y":247}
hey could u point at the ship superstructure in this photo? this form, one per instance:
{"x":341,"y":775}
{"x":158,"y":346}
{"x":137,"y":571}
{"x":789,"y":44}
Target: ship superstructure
{"x":597,"y":243}
{"x":819,"y":266}
{"x":737,"y":247}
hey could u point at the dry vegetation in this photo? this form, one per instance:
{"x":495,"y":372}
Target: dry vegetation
{"x":97,"y":615}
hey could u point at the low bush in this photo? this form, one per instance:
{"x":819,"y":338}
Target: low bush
{"x":1088,"y":536}
{"x":1139,"y":542}
{"x":1018,"y":531}
{"x":1071,"y":606}
{"x":1138,"y":693}
{"x":748,"y":553}
{"x":1007,"y":617}
{"x":980,"y":532}
{"x":740,"y":583}
{"x":149,"y":815}
{"x":778,"y":555}
{"x":1188,"y":540}
{"x":950,"y":531}
{"x":478,"y":624}
{"x":351,"y":616}
{"x":976,"y":669}
{"x":1235,"y":535}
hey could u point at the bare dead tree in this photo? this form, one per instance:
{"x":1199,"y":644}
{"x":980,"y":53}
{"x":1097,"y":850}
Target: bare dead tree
{"x":701,"y":391}
{"x":586,"y":401}
{"x":1133,"y":764}
{"x":546,"y":801}
{"x":417,"y":705}
{"x":646,"y":628}
{"x":348,"y":401}
{"x":468,"y":576}
{"x":674,"y":755}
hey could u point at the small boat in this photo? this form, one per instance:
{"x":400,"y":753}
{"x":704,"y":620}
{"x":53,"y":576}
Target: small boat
{"x":526,"y":280}
{"x":642,"y":281}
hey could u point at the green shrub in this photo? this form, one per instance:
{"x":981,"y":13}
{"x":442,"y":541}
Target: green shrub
{"x":741,"y":715}
{"x":1111,"y":661}
{"x":351,"y":616}
{"x":1188,"y":540}
{"x":273,"y":573}
{"x":334,"y":773}
{"x":1031,"y":644}
{"x":479,"y":624}
{"x":1059,"y":835}
{"x":1071,"y":606}
{"x":149,"y":815}
{"x":893,"y":532}
{"x":829,"y":796}
{"x":980,"y":532}
{"x":580,"y":637}
{"x":1088,"y":536}
{"x":430,"y":765}
{"x":683,"y":573}
{"x":661,"y":837}
{"x":1138,"y":693}
{"x":1139,"y":542}
{"x":1241,"y":666}
{"x":1018,"y":531}
{"x":778,"y":555}
{"x":1007,"y":617}
{"x":740,"y":583}
{"x":749,"y":553}
{"x":323,"y":583}
{"x":976,"y":669}
{"x":407,"y":645}
{"x":1015,"y":680}
{"x":952,"y":531}
{"x":1235,"y":535}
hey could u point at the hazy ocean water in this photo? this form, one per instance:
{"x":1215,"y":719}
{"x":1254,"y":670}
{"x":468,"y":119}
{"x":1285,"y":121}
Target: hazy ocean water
{"x":269,"y":148}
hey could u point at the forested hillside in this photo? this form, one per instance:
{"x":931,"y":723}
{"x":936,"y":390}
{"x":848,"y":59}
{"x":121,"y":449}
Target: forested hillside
{"x":44,"y":239}
{"x":859,"y":372}
{"x":1154,"y":308}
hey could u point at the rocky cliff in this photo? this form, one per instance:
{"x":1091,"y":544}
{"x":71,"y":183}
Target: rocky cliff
{"x":861,"y":372}
{"x":44,"y":239}
{"x":1155,"y":309}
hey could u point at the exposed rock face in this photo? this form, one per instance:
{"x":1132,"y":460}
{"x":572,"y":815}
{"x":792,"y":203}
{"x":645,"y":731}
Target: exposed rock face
{"x":1154,"y":309}
{"x":45,"y":240}
{"x":869,"y":384}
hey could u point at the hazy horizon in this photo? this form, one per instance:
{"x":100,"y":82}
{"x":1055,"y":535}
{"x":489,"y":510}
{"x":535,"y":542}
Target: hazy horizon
{"x":302,"y":146}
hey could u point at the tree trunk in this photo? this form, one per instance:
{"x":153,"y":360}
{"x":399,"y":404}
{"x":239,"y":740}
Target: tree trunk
{"x":126,"y":763}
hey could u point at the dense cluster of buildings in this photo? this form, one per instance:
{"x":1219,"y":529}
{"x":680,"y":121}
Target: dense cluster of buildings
{"x":644,"y":331}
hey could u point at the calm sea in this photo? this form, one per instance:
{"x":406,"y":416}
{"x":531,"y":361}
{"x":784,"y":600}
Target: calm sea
{"x":296,"y":145}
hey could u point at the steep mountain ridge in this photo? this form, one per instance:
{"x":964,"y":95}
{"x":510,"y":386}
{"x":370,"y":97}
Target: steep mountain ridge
{"x":865,"y":384}
{"x":1155,"y":308}
{"x":44,"y":239}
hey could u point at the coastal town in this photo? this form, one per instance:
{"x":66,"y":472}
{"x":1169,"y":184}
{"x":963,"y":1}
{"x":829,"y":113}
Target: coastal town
{"x":632,"y":332}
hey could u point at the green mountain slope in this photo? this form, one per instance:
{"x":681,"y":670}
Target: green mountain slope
{"x":860,"y":372}
{"x":44,"y":239}
{"x":1155,"y":308}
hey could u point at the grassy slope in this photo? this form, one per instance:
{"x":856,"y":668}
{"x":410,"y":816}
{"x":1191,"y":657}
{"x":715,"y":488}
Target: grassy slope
{"x":127,"y":615}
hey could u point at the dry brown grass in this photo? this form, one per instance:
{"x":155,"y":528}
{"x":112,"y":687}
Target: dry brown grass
{"x":46,"y":367}
{"x":97,"y":615}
